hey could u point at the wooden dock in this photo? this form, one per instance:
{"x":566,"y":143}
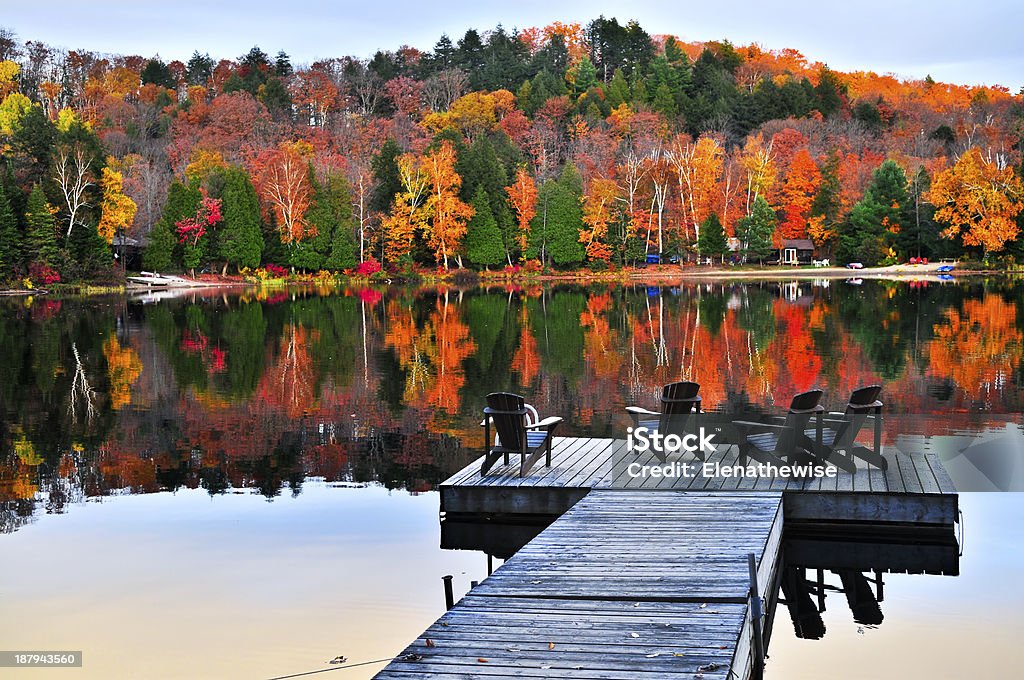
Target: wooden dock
{"x":915,"y":489}
{"x":648,"y":577}
{"x":626,"y":584}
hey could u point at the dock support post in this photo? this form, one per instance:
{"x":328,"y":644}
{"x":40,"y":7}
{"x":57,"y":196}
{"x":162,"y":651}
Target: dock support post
{"x":449,"y":596}
{"x":757,"y":670}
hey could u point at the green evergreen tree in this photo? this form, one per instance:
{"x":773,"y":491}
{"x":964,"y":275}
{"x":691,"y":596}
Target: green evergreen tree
{"x":712,"y":240}
{"x":757,"y":230}
{"x":385,"y":171}
{"x":875,"y":222}
{"x":481,"y":168}
{"x":618,"y":90}
{"x":163,"y":250}
{"x":158,"y":254}
{"x":555,"y":232}
{"x":586,"y":76}
{"x":10,"y":238}
{"x":483,"y":238}
{"x":333,"y":247}
{"x":40,"y":237}
{"x":241,"y":240}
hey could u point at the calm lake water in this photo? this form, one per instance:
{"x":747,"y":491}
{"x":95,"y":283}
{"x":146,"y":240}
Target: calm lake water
{"x":241,"y":485}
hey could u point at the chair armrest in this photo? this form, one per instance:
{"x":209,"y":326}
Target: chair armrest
{"x":817,"y":409}
{"x":545,"y":424}
{"x":485,"y":421}
{"x":641,"y":411}
{"x":752,"y":424}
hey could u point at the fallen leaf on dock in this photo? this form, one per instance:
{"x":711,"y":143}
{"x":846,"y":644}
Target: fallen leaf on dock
{"x":651,"y":656}
{"x":551,"y":645}
{"x":634,"y":635}
{"x":481,"y":660}
{"x":338,"y":659}
{"x":704,"y":606}
{"x":545,"y":666}
{"x":429,"y":642}
{"x":512,"y":649}
{"x":679,"y":654}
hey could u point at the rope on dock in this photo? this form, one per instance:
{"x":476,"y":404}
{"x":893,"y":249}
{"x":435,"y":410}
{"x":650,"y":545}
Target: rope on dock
{"x":404,"y":657}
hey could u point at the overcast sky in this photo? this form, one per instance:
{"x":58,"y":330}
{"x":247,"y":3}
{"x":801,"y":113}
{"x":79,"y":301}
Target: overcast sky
{"x":965,"y":42}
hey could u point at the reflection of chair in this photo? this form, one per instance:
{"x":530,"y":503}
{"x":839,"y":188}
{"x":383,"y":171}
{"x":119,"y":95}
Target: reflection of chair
{"x":517,"y":432}
{"x":780,"y":444}
{"x":679,"y":403}
{"x":806,"y":617}
{"x":860,"y":597}
{"x":838,"y":442}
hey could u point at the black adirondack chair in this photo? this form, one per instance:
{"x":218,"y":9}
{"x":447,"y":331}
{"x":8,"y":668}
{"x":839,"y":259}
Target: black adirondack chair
{"x":680,"y":409}
{"x":517,"y":432}
{"x":784,"y":443}
{"x":838,"y":438}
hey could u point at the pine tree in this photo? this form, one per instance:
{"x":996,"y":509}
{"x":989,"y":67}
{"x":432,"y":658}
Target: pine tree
{"x":555,"y":234}
{"x":756,"y":231}
{"x":162,"y":251}
{"x":483,"y":238}
{"x":241,"y":241}
{"x":10,"y":238}
{"x":159,"y":253}
{"x":385,"y":171}
{"x":712,"y":240}
{"x":40,"y":237}
{"x":874,"y":223}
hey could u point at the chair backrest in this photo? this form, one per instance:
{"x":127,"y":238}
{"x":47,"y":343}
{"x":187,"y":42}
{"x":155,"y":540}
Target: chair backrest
{"x":508,"y":413}
{"x":863,"y":399}
{"x":801,"y":409}
{"x":678,"y":400}
{"x":862,"y":402}
{"x":679,"y":397}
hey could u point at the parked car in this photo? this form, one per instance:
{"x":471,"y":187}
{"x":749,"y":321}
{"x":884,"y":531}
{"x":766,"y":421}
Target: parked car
{"x":855,"y":265}
{"x":653,"y":258}
{"x":673,"y":259}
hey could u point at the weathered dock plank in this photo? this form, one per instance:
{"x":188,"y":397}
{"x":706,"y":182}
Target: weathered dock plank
{"x":626,"y":584}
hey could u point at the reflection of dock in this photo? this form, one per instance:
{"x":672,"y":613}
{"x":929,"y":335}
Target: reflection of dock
{"x":914,"y":489}
{"x":625,"y":584}
{"x":648,"y":577}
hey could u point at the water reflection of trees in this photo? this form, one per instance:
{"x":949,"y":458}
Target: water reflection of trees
{"x":386,"y":386}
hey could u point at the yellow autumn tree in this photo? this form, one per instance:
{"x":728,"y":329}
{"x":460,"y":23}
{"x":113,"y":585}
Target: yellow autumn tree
{"x":978,"y":199}
{"x":117,"y":211}
{"x":407,"y":214}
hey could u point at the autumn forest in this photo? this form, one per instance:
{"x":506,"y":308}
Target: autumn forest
{"x":565,"y":146}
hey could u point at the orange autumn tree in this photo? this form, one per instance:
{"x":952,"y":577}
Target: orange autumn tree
{"x":522,"y":195}
{"x":978,"y":199}
{"x":798,"y":193}
{"x":598,"y":208}
{"x":284,"y":186}
{"x":448,"y":214}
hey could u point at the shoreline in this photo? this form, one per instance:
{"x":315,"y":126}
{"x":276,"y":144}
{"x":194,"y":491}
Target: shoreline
{"x":661,"y":275}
